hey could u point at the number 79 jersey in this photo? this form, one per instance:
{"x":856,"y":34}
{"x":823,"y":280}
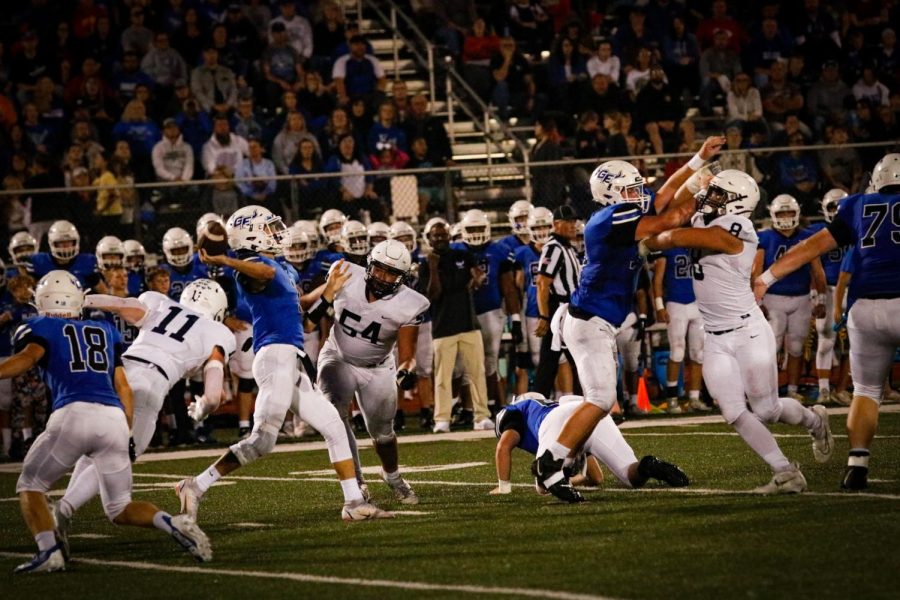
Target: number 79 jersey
{"x":722,"y":281}
{"x":364,"y":333}
{"x":176,"y":338}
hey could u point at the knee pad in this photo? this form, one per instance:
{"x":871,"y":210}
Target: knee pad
{"x":795,"y":345}
{"x":336,"y":440}
{"x":246,"y":385}
{"x":873,"y":392}
{"x":382,"y":439}
{"x":676,"y":350}
{"x":260,"y":443}
{"x":768,"y":413}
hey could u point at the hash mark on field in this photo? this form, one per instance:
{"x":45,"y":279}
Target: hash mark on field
{"x":412,"y":513}
{"x":89,"y":536}
{"x":326,"y":579}
{"x":251,"y":525}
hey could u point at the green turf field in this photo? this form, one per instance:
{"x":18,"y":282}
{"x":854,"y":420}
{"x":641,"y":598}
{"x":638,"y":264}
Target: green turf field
{"x":277,"y":533}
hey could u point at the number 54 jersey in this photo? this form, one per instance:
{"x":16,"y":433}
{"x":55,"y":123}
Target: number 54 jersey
{"x":364,"y":333}
{"x":176,"y":338}
{"x":722,"y":281}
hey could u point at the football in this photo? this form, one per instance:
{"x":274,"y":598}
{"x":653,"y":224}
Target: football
{"x":213,"y":238}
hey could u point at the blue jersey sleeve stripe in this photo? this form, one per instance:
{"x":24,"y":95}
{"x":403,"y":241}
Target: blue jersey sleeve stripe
{"x":620,"y":217}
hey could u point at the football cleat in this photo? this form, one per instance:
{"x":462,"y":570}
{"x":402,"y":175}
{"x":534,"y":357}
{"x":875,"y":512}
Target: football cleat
{"x":791,"y":481}
{"x":651,"y":467}
{"x":855,"y":478}
{"x":243,"y":432}
{"x":402,"y":491}
{"x":843,"y":398}
{"x":698,"y":405}
{"x":190,"y":496}
{"x":361,"y":510}
{"x":823,"y":441}
{"x":364,"y":490}
{"x":798,"y":397}
{"x":46,"y":561}
{"x":62,"y":523}
{"x":426,"y":418}
{"x":190,"y":537}
{"x":548,"y":474}
{"x":673,"y":407}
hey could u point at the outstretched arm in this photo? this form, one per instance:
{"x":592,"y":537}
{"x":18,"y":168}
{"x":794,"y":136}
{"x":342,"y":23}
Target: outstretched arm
{"x":21,"y":361}
{"x":250,"y":268}
{"x":801,"y":254}
{"x":715,"y":239}
{"x":666,"y":193}
{"x":130,"y":309}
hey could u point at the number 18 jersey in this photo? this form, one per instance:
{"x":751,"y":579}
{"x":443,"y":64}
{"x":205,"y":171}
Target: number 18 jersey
{"x":364,"y":333}
{"x":176,"y":338}
{"x":722,"y":281}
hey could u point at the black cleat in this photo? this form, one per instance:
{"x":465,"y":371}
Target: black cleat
{"x":243,"y":432}
{"x":464,"y":418}
{"x":426,"y":418}
{"x":651,"y":467}
{"x":546,"y":469}
{"x":399,"y":421}
{"x":359,"y":423}
{"x":855,"y":478}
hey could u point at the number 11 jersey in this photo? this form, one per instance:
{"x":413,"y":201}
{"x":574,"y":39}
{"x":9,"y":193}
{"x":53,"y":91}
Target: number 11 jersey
{"x":722,"y":281}
{"x":176,"y":338}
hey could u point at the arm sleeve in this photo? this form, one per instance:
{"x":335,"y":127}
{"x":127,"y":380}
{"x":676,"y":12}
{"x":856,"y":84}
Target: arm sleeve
{"x":213,"y":380}
{"x":26,"y":335}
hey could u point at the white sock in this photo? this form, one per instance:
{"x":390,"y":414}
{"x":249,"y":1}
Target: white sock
{"x":824,"y":384}
{"x":559,"y":451}
{"x":760,"y":439}
{"x":6,"y":432}
{"x":243,"y":424}
{"x":351,"y":490}
{"x":792,"y":389}
{"x":205,"y":479}
{"x":161,"y":521}
{"x":694,"y":394}
{"x":395,"y":476}
{"x":45,"y":540}
{"x":794,"y":413}
{"x":27,"y":433}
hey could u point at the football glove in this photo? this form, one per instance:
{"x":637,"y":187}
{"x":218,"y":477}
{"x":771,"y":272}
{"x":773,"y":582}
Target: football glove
{"x":406,"y":379}
{"x":132,"y":451}
{"x":516,"y":331}
{"x":199,"y":409}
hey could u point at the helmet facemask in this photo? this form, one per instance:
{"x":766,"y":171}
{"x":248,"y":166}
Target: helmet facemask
{"x":380,"y":286}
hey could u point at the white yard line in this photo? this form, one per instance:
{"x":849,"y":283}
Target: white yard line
{"x":329,"y":580}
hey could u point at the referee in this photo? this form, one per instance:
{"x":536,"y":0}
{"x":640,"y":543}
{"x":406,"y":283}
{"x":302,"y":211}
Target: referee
{"x":558,"y":273}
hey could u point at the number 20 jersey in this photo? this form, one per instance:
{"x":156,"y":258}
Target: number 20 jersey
{"x":176,"y":338}
{"x":722,"y":281}
{"x":364,"y":333}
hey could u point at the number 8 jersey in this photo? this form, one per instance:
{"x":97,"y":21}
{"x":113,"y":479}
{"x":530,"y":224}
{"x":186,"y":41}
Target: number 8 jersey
{"x":364,"y":333}
{"x":722,"y":281}
{"x":176,"y":338}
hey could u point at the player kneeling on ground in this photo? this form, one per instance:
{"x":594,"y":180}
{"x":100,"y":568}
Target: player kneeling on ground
{"x":92,"y":412}
{"x":532,"y":423}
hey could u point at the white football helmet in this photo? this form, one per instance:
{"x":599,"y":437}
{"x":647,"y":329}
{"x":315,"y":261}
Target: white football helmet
{"x":59,"y":294}
{"x":378,"y":232}
{"x":330,"y":225}
{"x":257,"y":229}
{"x":475,"y":228}
{"x":178,"y":247}
{"x":540,"y":223}
{"x":207,"y":218}
{"x":390,"y":256}
{"x":135,"y":255}
{"x":456,"y":233}
{"x":110,"y":252}
{"x":404,"y":232}
{"x":206,"y":297}
{"x":22,"y":246}
{"x":355,"y":238}
{"x":299,"y":251}
{"x":64,"y":240}
{"x":830,"y":202}
{"x":730,"y":192}
{"x":578,"y":242}
{"x":618,"y":181}
{"x":312,"y":233}
{"x":886,"y":172}
{"x":519,"y":215}
{"x":784,"y":203}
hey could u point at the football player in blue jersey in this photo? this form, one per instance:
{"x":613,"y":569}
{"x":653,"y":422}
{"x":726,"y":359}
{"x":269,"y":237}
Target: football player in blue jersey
{"x":330,"y":225}
{"x":22,"y":247}
{"x":64,"y":241}
{"x":378,"y":232}
{"x":135,"y":257}
{"x":181,"y":262}
{"x":92,"y":412}
{"x":676,"y":306}
{"x":848,"y":264}
{"x":532,"y":423}
{"x":527,"y":258}
{"x":605,"y":294}
{"x":116,"y":279}
{"x":870,"y":224}
{"x":17,"y":308}
{"x":519,"y":234}
{"x":831,"y":264}
{"x":498,"y":290}
{"x":354,"y":244}
{"x":788,"y":303}
{"x":280,"y":367}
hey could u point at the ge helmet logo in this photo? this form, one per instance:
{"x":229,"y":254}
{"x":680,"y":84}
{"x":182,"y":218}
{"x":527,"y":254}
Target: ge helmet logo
{"x":607,"y":177}
{"x":243,"y":221}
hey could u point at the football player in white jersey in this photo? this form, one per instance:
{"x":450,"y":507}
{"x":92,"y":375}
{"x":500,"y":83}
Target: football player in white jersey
{"x":739,"y":364}
{"x":373,"y":312}
{"x":176,"y":340}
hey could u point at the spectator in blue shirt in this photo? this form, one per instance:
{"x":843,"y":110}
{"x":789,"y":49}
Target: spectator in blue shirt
{"x":141,"y":133}
{"x":126,"y":81}
{"x":799,"y":176}
{"x":385,"y":130}
{"x":255,"y":165}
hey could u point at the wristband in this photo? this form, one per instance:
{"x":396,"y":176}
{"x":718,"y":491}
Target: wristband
{"x":658,"y":302}
{"x":516,"y":318}
{"x":768,"y":277}
{"x":504,"y":487}
{"x":696,"y":163}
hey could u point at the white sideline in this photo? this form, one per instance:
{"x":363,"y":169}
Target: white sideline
{"x":325,"y":579}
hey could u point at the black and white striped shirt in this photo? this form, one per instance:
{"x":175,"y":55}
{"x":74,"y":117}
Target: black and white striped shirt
{"x":559,"y":261}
